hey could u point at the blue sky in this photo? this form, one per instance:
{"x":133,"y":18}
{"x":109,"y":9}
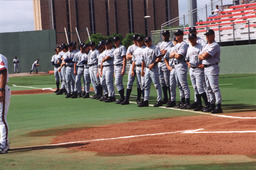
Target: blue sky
{"x":17,"y":15}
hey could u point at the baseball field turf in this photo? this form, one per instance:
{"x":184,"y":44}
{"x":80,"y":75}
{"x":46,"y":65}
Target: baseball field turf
{"x":35,"y":120}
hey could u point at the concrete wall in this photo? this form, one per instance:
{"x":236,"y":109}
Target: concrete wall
{"x":28,"y":46}
{"x":238,"y":59}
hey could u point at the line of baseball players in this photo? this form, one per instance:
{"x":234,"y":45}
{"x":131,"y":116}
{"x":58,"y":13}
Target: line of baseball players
{"x":166,"y":65}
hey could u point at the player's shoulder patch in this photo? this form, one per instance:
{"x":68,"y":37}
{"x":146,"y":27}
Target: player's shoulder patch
{"x":2,"y":63}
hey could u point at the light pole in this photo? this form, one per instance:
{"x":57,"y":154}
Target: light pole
{"x":147,"y":19}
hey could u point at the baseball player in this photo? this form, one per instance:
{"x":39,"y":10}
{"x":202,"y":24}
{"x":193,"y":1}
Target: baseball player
{"x":119,"y":67}
{"x":78,"y":70}
{"x":35,"y":66}
{"x":196,"y":70}
{"x":164,"y":73}
{"x":171,"y":66}
{"x":107,"y":70}
{"x":137,"y":63}
{"x":70,"y":77}
{"x":101,"y":49}
{"x":181,"y":68}
{"x":192,"y":30}
{"x":15,"y":62}
{"x":210,"y":57}
{"x":93,"y":69}
{"x":5,"y":96}
{"x":63,"y":49}
{"x":129,"y":55}
{"x":56,"y":61}
{"x":151,"y":57}
{"x":87,"y":80}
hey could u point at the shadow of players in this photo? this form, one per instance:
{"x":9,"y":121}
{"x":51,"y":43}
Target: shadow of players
{"x":32,"y":148}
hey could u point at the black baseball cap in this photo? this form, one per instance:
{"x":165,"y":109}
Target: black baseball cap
{"x":191,"y":36}
{"x":85,"y":46}
{"x":108,"y":41}
{"x":101,"y":43}
{"x":209,"y":32}
{"x":64,"y":46}
{"x":139,"y":38}
{"x":165,"y":32}
{"x":178,"y":32}
{"x":135,"y":36}
{"x":115,"y":39}
{"x":148,"y":39}
{"x":192,"y":29}
{"x":81,"y":44}
{"x":70,"y":44}
{"x":92,"y":44}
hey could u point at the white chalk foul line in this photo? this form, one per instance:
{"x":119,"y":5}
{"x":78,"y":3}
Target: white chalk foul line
{"x":203,"y":113}
{"x":195,"y":131}
{"x":30,"y":87}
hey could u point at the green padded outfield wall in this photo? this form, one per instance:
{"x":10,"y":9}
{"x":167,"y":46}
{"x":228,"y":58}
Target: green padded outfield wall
{"x":238,"y":59}
{"x":28,"y":46}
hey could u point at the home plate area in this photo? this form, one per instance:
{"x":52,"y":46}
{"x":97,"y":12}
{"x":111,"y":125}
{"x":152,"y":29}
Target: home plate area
{"x":191,"y":135}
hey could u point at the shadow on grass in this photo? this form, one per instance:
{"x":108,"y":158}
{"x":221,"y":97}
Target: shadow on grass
{"x":32,"y":148}
{"x":238,"y":107}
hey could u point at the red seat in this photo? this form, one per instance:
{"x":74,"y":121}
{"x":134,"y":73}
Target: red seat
{"x":230,"y":15}
{"x":251,"y":25}
{"x":228,"y":19}
{"x":237,"y":10}
{"x":214,"y":25}
{"x":243,"y":5}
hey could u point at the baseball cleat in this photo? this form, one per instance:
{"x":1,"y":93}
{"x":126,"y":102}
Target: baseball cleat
{"x":125,"y":102}
{"x":4,"y":149}
{"x":120,"y":101}
{"x":159,"y":103}
{"x":171,"y":104}
{"x":143,"y":104}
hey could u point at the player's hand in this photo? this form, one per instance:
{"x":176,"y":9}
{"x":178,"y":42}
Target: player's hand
{"x":169,"y":68}
{"x":74,"y":72}
{"x":122,"y":73}
{"x":200,"y":66}
{"x":189,"y":65}
{"x":172,"y":55}
{"x":100,"y":73}
{"x":142,"y":73}
{"x":97,"y":74}
{"x":132,"y":73}
{"x":2,"y":96}
{"x":59,"y":69}
{"x":151,"y":66}
{"x":163,"y":52}
{"x":200,"y":57}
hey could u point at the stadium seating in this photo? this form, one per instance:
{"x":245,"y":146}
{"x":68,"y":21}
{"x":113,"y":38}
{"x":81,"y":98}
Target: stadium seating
{"x":236,"y":17}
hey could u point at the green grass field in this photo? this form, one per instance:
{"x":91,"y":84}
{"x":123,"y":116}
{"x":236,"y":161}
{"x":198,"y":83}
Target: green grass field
{"x":37,"y":119}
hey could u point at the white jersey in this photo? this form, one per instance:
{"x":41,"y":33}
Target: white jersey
{"x":213,"y":50}
{"x":55,"y":59}
{"x":138,"y":55}
{"x":35,"y":63}
{"x":119,"y":52}
{"x":4,"y":65}
{"x":193,"y":53}
{"x":15,"y":61}
{"x":78,"y":58}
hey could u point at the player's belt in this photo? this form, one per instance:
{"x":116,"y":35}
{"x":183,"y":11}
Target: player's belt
{"x":139,"y":65}
{"x":208,"y":65}
{"x":118,"y":64}
{"x":95,"y":64}
{"x":194,"y":67}
{"x":107,"y":65}
{"x":80,"y":66}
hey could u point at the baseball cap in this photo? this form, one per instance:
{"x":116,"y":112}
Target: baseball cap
{"x":85,"y":46}
{"x":92,"y":44}
{"x":178,"y":32}
{"x":108,"y":41}
{"x":209,"y":32}
{"x":191,"y":36}
{"x":81,"y":44}
{"x":70,"y":44}
{"x":192,"y":29}
{"x":165,"y":32}
{"x":115,"y":39}
{"x":101,"y":43}
{"x":135,"y":36}
{"x":147,"y":39}
{"x":139,"y":38}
